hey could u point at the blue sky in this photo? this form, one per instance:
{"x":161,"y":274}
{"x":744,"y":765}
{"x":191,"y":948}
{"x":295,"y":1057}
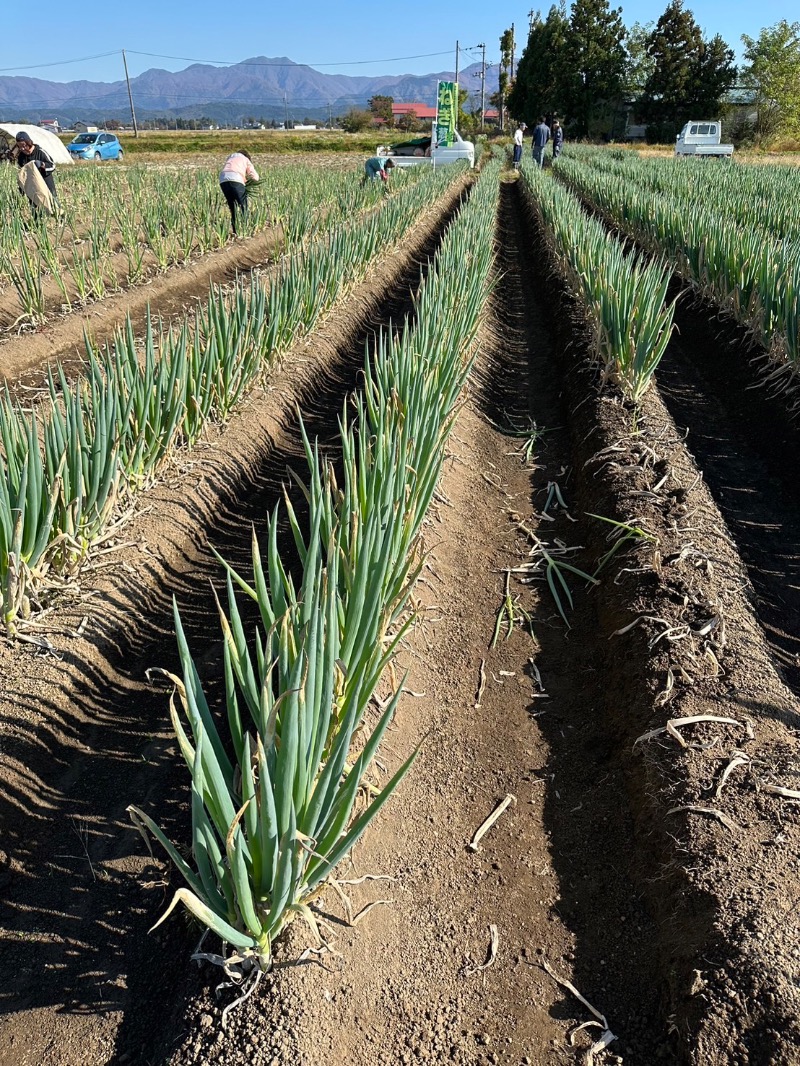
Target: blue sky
{"x":315,"y":32}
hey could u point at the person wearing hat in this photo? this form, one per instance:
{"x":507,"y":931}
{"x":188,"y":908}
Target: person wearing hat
{"x":28,"y":152}
{"x":518,"y":135}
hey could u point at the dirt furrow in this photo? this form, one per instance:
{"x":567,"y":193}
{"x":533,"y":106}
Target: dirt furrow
{"x":635,"y":868}
{"x":739,"y":417}
{"x":748,"y":446}
{"x":404,"y":985}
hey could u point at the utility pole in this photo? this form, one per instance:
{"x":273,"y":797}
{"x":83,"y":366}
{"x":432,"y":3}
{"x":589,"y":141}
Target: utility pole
{"x":457,"y":57}
{"x":330,"y":116}
{"x":483,"y":85}
{"x":285,"y":112}
{"x":130,"y":94}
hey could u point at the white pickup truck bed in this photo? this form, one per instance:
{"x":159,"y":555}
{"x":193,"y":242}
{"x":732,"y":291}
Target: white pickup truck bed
{"x":419,"y":152}
{"x":702,"y":139}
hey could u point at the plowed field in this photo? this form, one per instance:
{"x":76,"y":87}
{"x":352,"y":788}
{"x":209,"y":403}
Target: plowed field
{"x":652,"y":869}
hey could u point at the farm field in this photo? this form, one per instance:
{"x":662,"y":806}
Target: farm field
{"x":132,"y":235}
{"x":327,"y":145}
{"x":519,"y":452}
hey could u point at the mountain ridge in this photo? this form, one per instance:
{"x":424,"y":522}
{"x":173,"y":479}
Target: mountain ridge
{"x":274,"y":87}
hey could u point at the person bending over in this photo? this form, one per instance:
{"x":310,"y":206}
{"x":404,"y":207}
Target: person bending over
{"x":377,"y":168}
{"x":236,"y":172}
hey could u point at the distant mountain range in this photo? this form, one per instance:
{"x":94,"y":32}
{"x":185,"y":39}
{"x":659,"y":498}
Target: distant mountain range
{"x":261,"y":87}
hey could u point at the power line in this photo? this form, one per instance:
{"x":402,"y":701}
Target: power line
{"x":204,"y":98}
{"x":189,"y":59}
{"x":340,"y":63}
{"x":61,"y":62}
{"x":111,"y":101}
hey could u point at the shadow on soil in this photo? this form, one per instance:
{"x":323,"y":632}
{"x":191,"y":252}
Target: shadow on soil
{"x":719,"y":387}
{"x":79,"y":893}
{"x":748,"y":448}
{"x":586,"y":812}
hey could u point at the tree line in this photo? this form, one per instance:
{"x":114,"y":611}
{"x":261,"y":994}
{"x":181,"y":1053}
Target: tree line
{"x":586,"y":67}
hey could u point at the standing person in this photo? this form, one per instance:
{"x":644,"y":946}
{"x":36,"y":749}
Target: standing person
{"x":28,"y":152}
{"x":236,"y":171}
{"x":541,"y":135}
{"x":518,"y":135}
{"x":376,"y":168}
{"x":558,"y":139}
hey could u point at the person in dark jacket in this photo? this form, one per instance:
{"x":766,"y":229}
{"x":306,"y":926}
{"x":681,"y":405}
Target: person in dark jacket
{"x":541,"y":135}
{"x":28,"y":152}
{"x":558,"y":139}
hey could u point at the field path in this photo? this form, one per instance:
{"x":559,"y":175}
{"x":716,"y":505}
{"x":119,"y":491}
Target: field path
{"x":405,"y":987}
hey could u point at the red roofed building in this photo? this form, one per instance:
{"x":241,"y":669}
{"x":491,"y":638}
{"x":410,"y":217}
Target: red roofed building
{"x":422,"y":111}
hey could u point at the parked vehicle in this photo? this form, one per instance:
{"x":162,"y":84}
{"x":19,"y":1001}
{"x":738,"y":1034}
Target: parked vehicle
{"x":419,"y":151}
{"x":703,"y":139}
{"x":95,"y":146}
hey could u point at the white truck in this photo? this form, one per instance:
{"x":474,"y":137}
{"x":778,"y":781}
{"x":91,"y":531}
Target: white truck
{"x":702,"y":139}
{"x":420,"y":152}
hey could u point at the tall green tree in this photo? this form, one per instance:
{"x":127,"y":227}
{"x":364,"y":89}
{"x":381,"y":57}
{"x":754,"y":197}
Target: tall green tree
{"x":504,"y":77}
{"x":542,"y":84}
{"x":773,"y":70}
{"x":715,"y":76}
{"x":381,"y":107}
{"x":466,"y":120}
{"x":639,"y":65}
{"x":690,"y":75}
{"x":596,"y":66}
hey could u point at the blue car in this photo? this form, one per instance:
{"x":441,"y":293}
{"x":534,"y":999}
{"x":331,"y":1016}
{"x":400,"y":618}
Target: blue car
{"x":95,"y":146}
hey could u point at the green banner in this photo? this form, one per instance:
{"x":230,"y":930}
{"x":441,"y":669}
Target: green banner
{"x":446,"y":111}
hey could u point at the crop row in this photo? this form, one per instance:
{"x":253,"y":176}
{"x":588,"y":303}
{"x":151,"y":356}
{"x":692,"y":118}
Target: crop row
{"x":742,"y":267}
{"x":271,"y":822}
{"x":625,"y":295}
{"x":119,"y":227}
{"x":72,"y":465}
{"x":756,"y":197}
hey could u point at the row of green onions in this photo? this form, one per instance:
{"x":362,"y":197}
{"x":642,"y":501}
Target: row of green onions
{"x":625,"y":295}
{"x":275,"y":783}
{"x":745,"y":268}
{"x":152,"y":220}
{"x":755,"y":196}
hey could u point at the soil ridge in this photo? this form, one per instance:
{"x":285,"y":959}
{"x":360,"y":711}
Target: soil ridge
{"x":682,"y":638}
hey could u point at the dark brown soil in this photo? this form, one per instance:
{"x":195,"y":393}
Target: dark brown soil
{"x":746,"y":441}
{"x":719,"y":888}
{"x":676,"y":925}
{"x":401,"y":990}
